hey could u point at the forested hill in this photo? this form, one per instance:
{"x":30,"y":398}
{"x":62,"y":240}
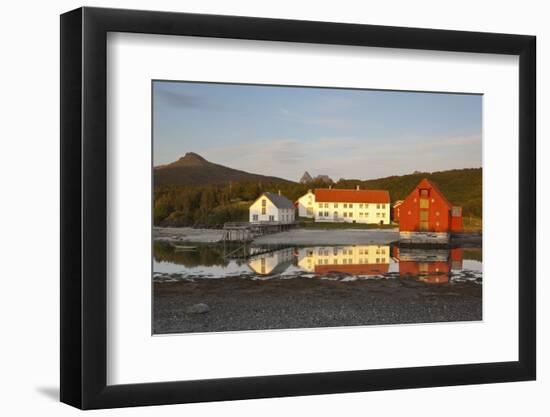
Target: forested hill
{"x":212,"y":198}
{"x":462,"y":187}
{"x":193,"y":170}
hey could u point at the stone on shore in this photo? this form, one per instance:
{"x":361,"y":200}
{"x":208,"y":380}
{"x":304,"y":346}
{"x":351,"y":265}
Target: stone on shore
{"x":199,"y":308}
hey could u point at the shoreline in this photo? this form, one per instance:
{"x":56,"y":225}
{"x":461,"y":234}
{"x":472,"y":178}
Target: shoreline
{"x":236,"y":304}
{"x":305,"y":237}
{"x":299,"y":237}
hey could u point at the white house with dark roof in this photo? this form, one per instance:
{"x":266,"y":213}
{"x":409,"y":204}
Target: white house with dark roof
{"x":271,"y":207}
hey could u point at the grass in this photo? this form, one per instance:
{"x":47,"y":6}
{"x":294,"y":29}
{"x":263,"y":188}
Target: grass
{"x":472,"y":224}
{"x":307,"y":223}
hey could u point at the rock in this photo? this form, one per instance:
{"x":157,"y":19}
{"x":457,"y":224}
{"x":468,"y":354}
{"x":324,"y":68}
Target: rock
{"x":199,"y":308}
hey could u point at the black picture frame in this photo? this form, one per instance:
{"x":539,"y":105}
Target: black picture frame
{"x":84,"y":207}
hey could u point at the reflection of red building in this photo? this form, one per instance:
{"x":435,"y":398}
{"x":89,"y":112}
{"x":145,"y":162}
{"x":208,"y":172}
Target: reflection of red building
{"x":432,"y":267}
{"x":355,"y":269}
{"x":427,"y":210}
{"x":456,"y":258}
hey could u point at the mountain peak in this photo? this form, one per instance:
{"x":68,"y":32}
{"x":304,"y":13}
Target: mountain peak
{"x":306,"y":178}
{"x":190,"y":159}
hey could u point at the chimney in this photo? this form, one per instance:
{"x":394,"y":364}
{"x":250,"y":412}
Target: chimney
{"x":279,"y":192}
{"x":357,"y":187}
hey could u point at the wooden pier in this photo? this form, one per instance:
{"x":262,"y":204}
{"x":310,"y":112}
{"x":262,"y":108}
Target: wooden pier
{"x":246,"y":231}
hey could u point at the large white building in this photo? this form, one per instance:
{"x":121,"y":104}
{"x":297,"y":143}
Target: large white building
{"x":270,"y":207}
{"x":351,"y":206}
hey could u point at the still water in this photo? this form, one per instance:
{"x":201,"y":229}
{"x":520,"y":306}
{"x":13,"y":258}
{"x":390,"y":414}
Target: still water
{"x":190,"y":262}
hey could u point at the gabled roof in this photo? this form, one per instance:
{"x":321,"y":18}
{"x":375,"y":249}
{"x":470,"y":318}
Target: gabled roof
{"x":334,"y":195}
{"x":426,"y":183}
{"x":279,"y":201}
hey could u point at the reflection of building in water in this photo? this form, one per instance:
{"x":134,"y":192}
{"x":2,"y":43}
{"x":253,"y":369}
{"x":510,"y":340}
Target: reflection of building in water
{"x":357,"y":259}
{"x":433,"y":265}
{"x":272,"y":263}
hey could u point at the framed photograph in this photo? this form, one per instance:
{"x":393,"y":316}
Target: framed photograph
{"x":256,"y":208}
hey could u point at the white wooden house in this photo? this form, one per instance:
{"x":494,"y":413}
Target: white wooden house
{"x":270,"y":207}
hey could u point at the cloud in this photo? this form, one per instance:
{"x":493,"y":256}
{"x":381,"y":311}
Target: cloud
{"x":180,"y":99}
{"x":349,"y":157}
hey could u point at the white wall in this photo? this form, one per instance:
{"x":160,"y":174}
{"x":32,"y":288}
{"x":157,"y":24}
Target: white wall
{"x":371,"y":209}
{"x":29,"y":171}
{"x":304,"y":202}
{"x":256,"y":209}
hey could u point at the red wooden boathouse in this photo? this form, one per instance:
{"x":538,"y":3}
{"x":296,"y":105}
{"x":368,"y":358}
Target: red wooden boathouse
{"x":426,"y":209}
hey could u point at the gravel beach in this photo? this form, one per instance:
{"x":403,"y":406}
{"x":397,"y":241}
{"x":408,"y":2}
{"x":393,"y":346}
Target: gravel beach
{"x":234,"y":303}
{"x":291,"y":237}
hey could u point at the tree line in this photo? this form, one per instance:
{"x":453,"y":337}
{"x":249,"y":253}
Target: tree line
{"x":213,"y":205}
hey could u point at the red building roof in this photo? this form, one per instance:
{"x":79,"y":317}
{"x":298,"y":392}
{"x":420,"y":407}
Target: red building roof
{"x":333,"y":195}
{"x":354,"y":269}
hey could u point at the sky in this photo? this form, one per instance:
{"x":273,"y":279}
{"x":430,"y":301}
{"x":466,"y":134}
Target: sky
{"x":343,"y":133}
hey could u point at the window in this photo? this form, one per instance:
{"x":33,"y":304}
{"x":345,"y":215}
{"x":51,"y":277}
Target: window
{"x":345,"y":205}
{"x":377,"y":214}
{"x":320,"y":214}
{"x":361,"y":205}
{"x":335,"y":205}
{"x":360,"y":214}
{"x":456,"y":211}
{"x":255,"y":217}
{"x":271,"y":218}
{"x":326,"y":213}
{"x":350,"y":205}
{"x":423,"y":193}
{"x":350,"y":214}
{"x":345,"y":214}
{"x":326,"y":205}
{"x":424,"y":203}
